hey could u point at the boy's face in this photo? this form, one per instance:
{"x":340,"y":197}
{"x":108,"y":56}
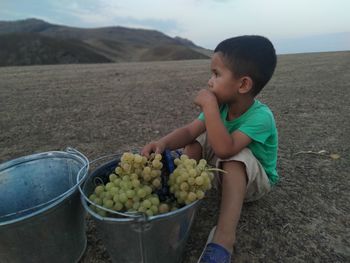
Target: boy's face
{"x":222,"y":82}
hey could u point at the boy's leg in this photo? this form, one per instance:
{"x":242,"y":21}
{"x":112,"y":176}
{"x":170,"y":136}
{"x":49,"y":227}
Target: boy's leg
{"x":234,"y":184}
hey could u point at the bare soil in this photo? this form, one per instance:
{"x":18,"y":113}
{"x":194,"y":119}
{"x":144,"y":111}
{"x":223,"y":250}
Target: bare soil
{"x":107,"y":108}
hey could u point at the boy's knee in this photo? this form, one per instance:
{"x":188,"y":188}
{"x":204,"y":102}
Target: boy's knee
{"x":234,"y":168}
{"x":193,"y":150}
{"x":233,"y":165}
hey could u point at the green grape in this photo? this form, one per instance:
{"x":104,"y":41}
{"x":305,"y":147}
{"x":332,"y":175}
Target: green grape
{"x":156,"y":183}
{"x":154,"y":173}
{"x":154,"y":209}
{"x":114,"y":190}
{"x":192,"y":172}
{"x":147,"y":177}
{"x":138,"y":158}
{"x":154,"y":200}
{"x":141,"y":193}
{"x":191,"y":196}
{"x":136,"y":206}
{"x":123,"y":198}
{"x":112,"y":177}
{"x":129,"y":204}
{"x":116,"y":198}
{"x":188,"y":163}
{"x":102,"y":195}
{"x":148,"y":189}
{"x":135,"y":183}
{"x":99,"y":189}
{"x":146,"y":203}
{"x":178,"y":180}
{"x":142,"y":209}
{"x":147,"y":170}
{"x":184,"y":177}
{"x":199,"y":180}
{"x":126,"y":178}
{"x":118,"y":170}
{"x":149,"y":212}
{"x":138,"y":171}
{"x":191,"y":181}
{"x":184,"y":186}
{"x":108,"y":195}
{"x":117,"y":182}
{"x":118,"y":206}
{"x":158,"y":157}
{"x":136,"y":198}
{"x":109,"y":186}
{"x":177,"y":161}
{"x":130,"y":193}
{"x":183,"y":195}
{"x":183,"y":157}
{"x":200,"y":194}
{"x":156,"y":163}
{"x":126,"y":167}
{"x":133,"y":176}
{"x":202,"y":162}
{"x":107,"y":203}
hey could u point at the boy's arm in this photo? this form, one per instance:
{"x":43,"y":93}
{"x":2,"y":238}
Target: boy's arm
{"x":176,"y":139}
{"x":223,"y":143}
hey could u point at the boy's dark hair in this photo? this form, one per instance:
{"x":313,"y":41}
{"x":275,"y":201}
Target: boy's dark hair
{"x":252,"y":56}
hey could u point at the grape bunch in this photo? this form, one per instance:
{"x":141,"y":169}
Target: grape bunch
{"x":190,"y":180}
{"x":132,"y":187}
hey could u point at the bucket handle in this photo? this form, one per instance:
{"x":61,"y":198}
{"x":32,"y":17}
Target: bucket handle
{"x":68,"y":150}
{"x":136,"y":215}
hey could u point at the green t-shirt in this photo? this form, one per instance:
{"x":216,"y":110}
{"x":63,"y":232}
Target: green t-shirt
{"x":259,"y":124}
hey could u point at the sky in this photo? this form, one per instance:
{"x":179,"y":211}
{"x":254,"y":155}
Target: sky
{"x":292,"y":25}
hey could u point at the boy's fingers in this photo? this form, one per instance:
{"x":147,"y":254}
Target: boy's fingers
{"x":159,"y":150}
{"x":145,"y":152}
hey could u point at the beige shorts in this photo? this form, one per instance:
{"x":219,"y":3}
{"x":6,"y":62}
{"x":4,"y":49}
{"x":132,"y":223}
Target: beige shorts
{"x":257,"y":181}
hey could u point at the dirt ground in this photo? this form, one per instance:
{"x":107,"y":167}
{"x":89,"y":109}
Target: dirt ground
{"x":107,"y":108}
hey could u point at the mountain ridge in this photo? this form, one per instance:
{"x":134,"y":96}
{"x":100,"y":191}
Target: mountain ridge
{"x":114,"y":43}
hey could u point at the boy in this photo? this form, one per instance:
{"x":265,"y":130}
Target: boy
{"x":234,"y":132}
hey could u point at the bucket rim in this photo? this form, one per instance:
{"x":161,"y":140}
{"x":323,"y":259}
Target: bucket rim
{"x":69,"y":153}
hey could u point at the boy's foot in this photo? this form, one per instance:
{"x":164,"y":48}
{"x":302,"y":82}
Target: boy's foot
{"x":214,"y":253}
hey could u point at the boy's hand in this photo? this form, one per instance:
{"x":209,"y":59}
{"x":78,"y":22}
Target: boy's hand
{"x":205,"y":98}
{"x":156,"y":147}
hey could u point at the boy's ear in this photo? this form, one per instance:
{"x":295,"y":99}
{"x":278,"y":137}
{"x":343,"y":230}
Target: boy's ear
{"x":246,"y":85}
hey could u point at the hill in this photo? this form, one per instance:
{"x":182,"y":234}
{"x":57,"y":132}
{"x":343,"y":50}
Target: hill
{"x":32,"y":48}
{"x":107,"y":44}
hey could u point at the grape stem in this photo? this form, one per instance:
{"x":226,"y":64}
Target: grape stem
{"x":216,"y":170}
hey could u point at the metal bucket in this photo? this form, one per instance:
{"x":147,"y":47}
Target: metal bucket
{"x":41,"y":216}
{"x":135,"y":237}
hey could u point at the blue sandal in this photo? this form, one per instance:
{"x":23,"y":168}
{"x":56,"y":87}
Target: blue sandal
{"x":214,"y":253}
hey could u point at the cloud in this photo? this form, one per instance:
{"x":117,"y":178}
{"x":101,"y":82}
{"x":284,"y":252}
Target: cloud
{"x":108,"y":13}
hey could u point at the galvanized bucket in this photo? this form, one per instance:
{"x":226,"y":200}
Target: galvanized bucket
{"x":135,"y":237}
{"x":41,"y":216}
